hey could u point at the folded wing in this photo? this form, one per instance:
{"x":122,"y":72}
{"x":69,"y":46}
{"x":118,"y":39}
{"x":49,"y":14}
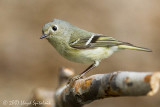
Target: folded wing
{"x":98,"y":40}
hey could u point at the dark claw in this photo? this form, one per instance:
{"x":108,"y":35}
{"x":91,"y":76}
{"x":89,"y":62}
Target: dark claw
{"x":43,"y":36}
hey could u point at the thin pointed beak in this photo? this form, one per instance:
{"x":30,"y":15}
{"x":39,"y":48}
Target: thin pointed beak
{"x":43,"y":36}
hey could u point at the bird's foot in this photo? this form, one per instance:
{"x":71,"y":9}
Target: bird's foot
{"x":75,"y":78}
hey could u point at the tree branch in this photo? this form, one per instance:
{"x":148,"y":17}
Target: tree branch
{"x":124,"y":83}
{"x":83,"y":91}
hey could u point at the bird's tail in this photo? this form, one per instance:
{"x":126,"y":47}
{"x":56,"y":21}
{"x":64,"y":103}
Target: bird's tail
{"x":132,"y":47}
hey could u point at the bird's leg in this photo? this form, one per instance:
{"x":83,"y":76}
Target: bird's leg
{"x":95,"y":64}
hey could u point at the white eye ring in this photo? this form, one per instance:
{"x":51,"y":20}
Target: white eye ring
{"x":54,"y":28}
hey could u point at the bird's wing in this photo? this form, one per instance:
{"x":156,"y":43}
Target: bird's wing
{"x":96,"y":40}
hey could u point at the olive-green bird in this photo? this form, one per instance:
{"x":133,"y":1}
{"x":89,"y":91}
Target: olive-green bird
{"x":81,"y":46}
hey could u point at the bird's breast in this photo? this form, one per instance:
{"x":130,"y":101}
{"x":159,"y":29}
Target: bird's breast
{"x":82,"y":55}
{"x":89,"y":55}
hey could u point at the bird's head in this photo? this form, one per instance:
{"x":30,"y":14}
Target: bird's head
{"x":55,"y":28}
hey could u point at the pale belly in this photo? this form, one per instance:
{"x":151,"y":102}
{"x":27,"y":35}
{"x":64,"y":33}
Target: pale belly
{"x":89,"y":55}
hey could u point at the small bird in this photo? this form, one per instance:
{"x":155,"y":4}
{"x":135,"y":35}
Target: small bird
{"x":81,"y":46}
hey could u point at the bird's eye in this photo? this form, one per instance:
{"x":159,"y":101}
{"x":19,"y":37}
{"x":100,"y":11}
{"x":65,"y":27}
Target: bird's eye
{"x":54,"y":28}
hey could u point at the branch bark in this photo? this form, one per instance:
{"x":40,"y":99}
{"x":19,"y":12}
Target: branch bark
{"x":116,"y":84}
{"x":83,"y":91}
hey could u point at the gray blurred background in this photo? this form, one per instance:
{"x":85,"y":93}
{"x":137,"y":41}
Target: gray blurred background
{"x":26,"y":62}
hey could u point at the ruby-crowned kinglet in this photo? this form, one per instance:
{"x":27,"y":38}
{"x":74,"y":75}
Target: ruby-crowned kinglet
{"x":81,"y":46}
